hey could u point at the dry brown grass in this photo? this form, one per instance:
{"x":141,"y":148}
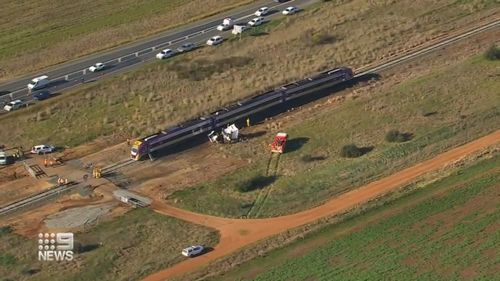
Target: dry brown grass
{"x":153,"y":97}
{"x":35,"y":34}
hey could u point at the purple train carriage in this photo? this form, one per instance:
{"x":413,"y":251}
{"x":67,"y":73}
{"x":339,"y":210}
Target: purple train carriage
{"x":145,"y":146}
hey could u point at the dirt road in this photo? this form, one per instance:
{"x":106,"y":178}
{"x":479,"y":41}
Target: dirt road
{"x":237,"y":233}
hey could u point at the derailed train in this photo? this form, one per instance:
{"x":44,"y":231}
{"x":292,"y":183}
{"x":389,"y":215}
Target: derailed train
{"x":189,"y":129}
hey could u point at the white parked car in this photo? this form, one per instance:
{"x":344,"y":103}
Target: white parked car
{"x":256,"y":21}
{"x":96,"y":67}
{"x":290,"y":10}
{"x":38,"y":82}
{"x":165,"y":54}
{"x":42,"y":149}
{"x":13,"y":105}
{"x":216,"y":40}
{"x":262,"y":11}
{"x":186,"y":47}
{"x":193,"y":251}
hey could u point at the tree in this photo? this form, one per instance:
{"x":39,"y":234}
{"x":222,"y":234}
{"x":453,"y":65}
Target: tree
{"x":351,"y":151}
{"x":493,"y":53}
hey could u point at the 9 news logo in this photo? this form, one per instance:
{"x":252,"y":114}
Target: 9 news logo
{"x":55,"y":246}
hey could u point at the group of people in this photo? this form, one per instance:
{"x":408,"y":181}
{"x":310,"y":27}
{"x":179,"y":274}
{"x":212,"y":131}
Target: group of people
{"x":61,"y":181}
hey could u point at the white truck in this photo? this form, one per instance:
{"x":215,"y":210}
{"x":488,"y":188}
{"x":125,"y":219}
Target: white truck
{"x":38,"y":82}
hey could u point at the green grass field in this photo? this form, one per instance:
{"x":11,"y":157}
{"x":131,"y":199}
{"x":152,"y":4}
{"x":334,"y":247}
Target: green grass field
{"x":37,"y":34}
{"x":133,"y":246}
{"x":155,"y":96}
{"x":446,"y":230}
{"x":439,"y":114}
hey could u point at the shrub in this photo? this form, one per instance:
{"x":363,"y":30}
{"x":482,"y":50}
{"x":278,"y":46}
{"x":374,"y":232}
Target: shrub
{"x":397,"y":136}
{"x":493,"y":53}
{"x":7,"y":259}
{"x":257,"y":182}
{"x":321,"y":38}
{"x":5,"y":229}
{"x":351,"y":151}
{"x":200,"y":69}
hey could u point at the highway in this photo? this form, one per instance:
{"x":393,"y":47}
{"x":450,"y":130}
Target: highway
{"x":120,"y":59}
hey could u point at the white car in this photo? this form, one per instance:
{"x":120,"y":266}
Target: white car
{"x":13,"y":105}
{"x":186,"y":47}
{"x":223,"y":27}
{"x":256,"y":21}
{"x":227,"y":24}
{"x":216,"y":40}
{"x":96,"y":67}
{"x":193,"y":251}
{"x":42,"y":149}
{"x":262,"y":11}
{"x":165,"y":54}
{"x":290,"y":10}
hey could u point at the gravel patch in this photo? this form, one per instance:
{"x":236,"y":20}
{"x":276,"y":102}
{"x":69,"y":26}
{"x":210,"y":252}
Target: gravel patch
{"x":78,"y":217}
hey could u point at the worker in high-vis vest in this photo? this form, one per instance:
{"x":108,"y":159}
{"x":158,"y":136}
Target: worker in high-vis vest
{"x":248,"y":121}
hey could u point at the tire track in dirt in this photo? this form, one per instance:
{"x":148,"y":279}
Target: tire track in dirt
{"x":237,"y":233}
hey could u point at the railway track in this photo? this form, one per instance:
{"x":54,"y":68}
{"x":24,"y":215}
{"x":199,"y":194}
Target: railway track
{"x":37,"y":198}
{"x":117,"y":166}
{"x":421,"y":52}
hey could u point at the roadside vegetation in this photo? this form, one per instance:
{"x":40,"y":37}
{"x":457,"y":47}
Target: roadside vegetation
{"x":39,"y":34}
{"x":160,"y":94}
{"x":126,"y":248}
{"x":493,"y":53}
{"x":445,"y":230}
{"x":313,"y":169}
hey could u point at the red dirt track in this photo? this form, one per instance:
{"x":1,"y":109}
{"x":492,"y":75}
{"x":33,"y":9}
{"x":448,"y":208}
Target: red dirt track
{"x":237,"y":233}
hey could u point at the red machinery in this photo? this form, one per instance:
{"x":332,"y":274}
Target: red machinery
{"x":279,"y":143}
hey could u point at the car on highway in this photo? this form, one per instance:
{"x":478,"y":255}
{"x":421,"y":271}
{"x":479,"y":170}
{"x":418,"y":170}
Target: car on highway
{"x":262,"y":11}
{"x":227,"y":24}
{"x":281,"y":1}
{"x":38,"y":82}
{"x":165,"y":54}
{"x":215,"y":40}
{"x":13,"y":105}
{"x":42,"y":149}
{"x":256,"y":21}
{"x":97,"y":67}
{"x":290,"y":10}
{"x":193,"y":251}
{"x":41,"y":95}
{"x":186,"y":47}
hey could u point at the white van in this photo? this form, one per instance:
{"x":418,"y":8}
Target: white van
{"x":38,"y":82}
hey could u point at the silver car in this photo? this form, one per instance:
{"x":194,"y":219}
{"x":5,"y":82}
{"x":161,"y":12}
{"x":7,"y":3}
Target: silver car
{"x":186,"y":47}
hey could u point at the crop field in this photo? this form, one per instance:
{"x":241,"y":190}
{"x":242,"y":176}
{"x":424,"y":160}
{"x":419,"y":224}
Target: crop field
{"x":161,"y":94}
{"x":36,"y":34}
{"x":445,"y":230}
{"x":436,"y":114}
{"x":126,"y":248}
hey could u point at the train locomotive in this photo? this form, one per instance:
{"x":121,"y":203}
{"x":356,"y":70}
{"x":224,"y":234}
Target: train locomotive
{"x":189,"y":129}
